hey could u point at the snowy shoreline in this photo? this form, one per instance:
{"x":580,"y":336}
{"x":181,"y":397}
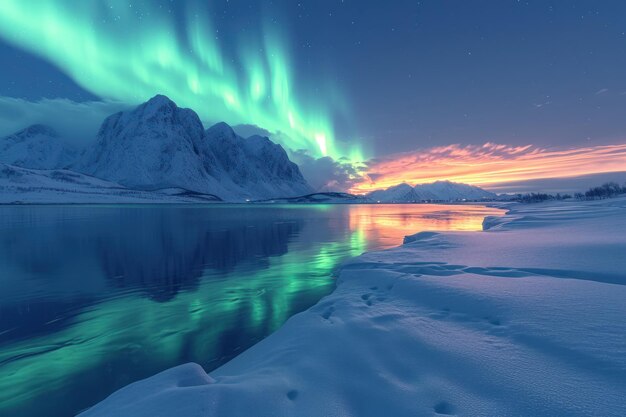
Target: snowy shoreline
{"x":524,"y":319}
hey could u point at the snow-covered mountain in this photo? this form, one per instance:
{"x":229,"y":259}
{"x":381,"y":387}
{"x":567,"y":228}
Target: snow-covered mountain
{"x":156,"y":145}
{"x":37,"y":147}
{"x":255,"y":164}
{"x":436,"y":191}
{"x":398,"y":193}
{"x":160,"y":145}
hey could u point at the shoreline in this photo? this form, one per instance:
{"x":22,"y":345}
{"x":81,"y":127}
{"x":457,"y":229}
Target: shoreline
{"x":251,"y":203}
{"x":431,"y":327}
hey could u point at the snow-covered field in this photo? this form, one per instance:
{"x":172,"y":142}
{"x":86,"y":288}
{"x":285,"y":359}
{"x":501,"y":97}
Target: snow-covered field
{"x":525,"y":319}
{"x":59,"y":186}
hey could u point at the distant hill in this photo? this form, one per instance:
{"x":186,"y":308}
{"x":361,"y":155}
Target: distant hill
{"x":437,"y":191}
{"x":325,"y":197}
{"x":37,"y":147}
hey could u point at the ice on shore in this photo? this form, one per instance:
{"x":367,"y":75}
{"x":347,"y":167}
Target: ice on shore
{"x":525,"y":319}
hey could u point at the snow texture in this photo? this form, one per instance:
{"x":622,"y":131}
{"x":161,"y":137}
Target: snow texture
{"x":524,"y":319}
{"x":437,"y":191}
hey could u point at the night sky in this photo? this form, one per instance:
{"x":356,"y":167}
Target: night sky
{"x":388,"y":86}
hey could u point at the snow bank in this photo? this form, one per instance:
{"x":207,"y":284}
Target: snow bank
{"x":525,"y":319}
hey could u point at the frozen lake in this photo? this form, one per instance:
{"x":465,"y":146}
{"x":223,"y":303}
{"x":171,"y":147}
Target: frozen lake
{"x":96,"y":297}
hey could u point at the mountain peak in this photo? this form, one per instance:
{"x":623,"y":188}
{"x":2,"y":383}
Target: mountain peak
{"x":157,"y":105}
{"x":258,"y":141}
{"x":155,"y":145}
{"x":160,"y":100}
{"x":221,"y":129}
{"x":159,"y":115}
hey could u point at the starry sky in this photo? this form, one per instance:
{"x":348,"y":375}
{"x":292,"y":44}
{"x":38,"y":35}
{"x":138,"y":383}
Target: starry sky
{"x":363,"y":93}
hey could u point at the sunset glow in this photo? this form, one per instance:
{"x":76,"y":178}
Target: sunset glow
{"x":489,"y":165}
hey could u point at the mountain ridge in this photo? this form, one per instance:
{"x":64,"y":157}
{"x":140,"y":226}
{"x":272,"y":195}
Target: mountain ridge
{"x":158,"y":145}
{"x":442,"y":190}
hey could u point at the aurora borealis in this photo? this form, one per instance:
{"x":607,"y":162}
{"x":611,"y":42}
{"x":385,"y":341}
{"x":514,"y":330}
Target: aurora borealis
{"x":376,"y":90}
{"x":127,"y":51}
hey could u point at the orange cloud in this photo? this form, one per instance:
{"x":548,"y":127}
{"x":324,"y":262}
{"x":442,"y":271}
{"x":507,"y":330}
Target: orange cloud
{"x":489,"y":165}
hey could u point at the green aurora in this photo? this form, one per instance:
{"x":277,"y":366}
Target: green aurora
{"x":130,"y":52}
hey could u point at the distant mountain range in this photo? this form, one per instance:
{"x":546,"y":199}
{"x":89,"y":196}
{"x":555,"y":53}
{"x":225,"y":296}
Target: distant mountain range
{"x":321,"y":198}
{"x":161,"y":152}
{"x":437,"y":191}
{"x":156,"y":146}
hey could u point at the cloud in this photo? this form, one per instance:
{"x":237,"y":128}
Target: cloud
{"x":602,"y":91}
{"x":489,"y":165}
{"x":326,"y":174}
{"x":561,"y":185}
{"x":323,"y":174}
{"x":76,"y":122}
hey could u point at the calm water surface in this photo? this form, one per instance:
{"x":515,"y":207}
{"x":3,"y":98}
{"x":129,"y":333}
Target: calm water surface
{"x":95,"y":297}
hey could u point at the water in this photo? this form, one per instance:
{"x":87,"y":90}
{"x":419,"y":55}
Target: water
{"x":95,"y":297}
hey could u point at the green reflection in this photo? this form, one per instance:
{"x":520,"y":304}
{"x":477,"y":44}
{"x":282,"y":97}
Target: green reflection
{"x":39,"y":366}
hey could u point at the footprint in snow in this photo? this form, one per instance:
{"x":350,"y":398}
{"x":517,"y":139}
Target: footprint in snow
{"x":328,"y":312}
{"x":444,"y":408}
{"x":292,"y":395}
